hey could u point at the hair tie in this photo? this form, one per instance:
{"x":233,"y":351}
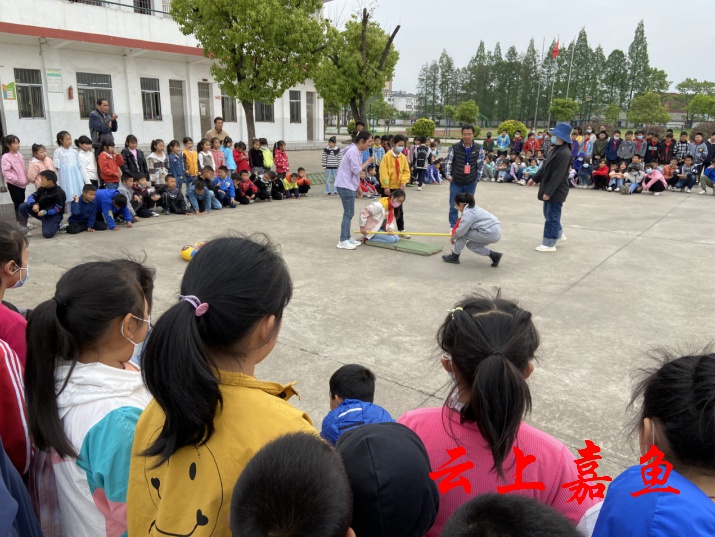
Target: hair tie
{"x":497,"y":352}
{"x":453,"y":310}
{"x":60,"y":300}
{"x":201,"y":307}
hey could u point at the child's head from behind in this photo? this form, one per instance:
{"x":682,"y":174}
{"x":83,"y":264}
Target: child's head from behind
{"x":488,"y":345}
{"x":294,"y":462}
{"x":89,"y":192}
{"x":494,"y":515}
{"x":48,"y":179}
{"x":224,"y":321}
{"x":351,"y":381}
{"x":78,"y":324}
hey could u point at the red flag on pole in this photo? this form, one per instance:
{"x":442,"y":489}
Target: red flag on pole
{"x":555,"y":51}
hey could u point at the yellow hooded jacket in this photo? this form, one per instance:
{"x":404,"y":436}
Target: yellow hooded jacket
{"x":388,"y":171}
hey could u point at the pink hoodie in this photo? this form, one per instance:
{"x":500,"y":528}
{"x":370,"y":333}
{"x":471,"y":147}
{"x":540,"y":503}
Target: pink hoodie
{"x":36,"y":166}
{"x":13,"y":169}
{"x":654,"y":176}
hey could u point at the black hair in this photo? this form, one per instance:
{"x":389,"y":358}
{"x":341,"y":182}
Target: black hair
{"x":207,"y":169}
{"x":12,"y":243}
{"x":600,"y":133}
{"x":120,"y":200}
{"x":398,"y":193}
{"x":227,"y":142}
{"x":186,"y":140}
{"x":358,"y":122}
{"x":217,"y":118}
{"x":294,"y":486}
{"x":399,"y":138}
{"x":678,"y":395}
{"x":686,"y":156}
{"x":301,"y":170}
{"x":9,"y":139}
{"x":263,"y":141}
{"x":50,"y":175}
{"x":155,"y":143}
{"x":465,"y":197}
{"x":242,"y":172}
{"x":496,"y":515}
{"x":107,"y":143}
{"x":241,"y":145}
{"x":173,"y":143}
{"x":278,"y":145}
{"x":333,"y":139}
{"x":491,"y":341}
{"x":100,"y":101}
{"x":362,"y":136}
{"x":616,"y":131}
{"x":177,"y":367}
{"x":138,"y":176}
{"x":199,"y":185}
{"x":59,"y":329}
{"x":271,"y":174}
{"x":214,"y":139}
{"x":629,"y":132}
{"x":82,"y":140}
{"x":202,"y":143}
{"x":353,"y":381}
{"x":61,"y":136}
{"x":469,"y":127}
{"x":423,"y":139}
{"x":169,"y":176}
{"x":126,"y":176}
{"x":699,"y":134}
{"x":223,"y":168}
{"x":36,"y":148}
{"x":89,"y":188}
{"x":131,"y":139}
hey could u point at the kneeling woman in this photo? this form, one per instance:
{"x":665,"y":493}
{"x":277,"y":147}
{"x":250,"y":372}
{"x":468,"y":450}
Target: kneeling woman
{"x":475,"y":229}
{"x":380,"y":216}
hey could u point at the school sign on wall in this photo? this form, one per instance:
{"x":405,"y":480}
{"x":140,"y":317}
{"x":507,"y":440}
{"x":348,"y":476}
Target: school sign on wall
{"x":8,"y":91}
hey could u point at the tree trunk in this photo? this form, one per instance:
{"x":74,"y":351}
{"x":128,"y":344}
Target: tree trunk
{"x":355,"y":111}
{"x":250,"y":120}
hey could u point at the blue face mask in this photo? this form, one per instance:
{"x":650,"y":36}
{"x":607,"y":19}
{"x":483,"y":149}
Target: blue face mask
{"x":139,"y":348}
{"x":22,"y":281}
{"x":554,"y":139}
{"x":640,"y":137}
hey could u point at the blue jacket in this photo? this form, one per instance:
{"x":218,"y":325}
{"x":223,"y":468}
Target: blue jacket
{"x":655,"y":514}
{"x":176,"y":167}
{"x":226,"y":185}
{"x":228,"y":155}
{"x":433,"y":175}
{"x":105,"y":205}
{"x":612,"y":149}
{"x":351,"y":413}
{"x":503,"y":142}
{"x":83,"y":212}
{"x":710,"y":173}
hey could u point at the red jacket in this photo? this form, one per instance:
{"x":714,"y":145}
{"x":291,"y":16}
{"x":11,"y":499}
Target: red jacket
{"x":241,"y":159}
{"x":247,"y":187}
{"x":280,"y":159}
{"x":13,"y":423}
{"x":530,"y":145}
{"x":110,"y":167}
{"x":600,"y":170}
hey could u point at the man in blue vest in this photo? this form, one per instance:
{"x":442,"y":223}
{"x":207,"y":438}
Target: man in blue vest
{"x":463,"y":168}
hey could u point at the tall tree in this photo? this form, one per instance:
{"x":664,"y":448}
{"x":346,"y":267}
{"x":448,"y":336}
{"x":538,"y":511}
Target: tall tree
{"x":614,"y":77}
{"x":656,"y":81}
{"x":529,"y":82}
{"x":512,"y":87}
{"x":467,"y":112}
{"x":251,"y":69}
{"x":638,"y":63}
{"x":428,"y":88}
{"x":446,"y":79}
{"x":358,"y":63}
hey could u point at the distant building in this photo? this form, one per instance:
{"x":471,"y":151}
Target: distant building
{"x":402,"y":101}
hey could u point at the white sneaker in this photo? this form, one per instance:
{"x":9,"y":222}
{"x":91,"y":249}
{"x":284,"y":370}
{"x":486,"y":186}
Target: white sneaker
{"x":670,"y":188}
{"x":562,"y":237}
{"x":346,"y":245}
{"x":419,"y":189}
{"x":493,"y":179}
{"x":542,"y":248}
{"x":353,"y":241}
{"x":30,"y":225}
{"x":687,"y":190}
{"x":657,"y":193}
{"x":702,"y":192}
{"x":677,"y":189}
{"x":610,"y":189}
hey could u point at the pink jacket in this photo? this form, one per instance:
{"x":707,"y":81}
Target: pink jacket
{"x":37,"y":166}
{"x":13,"y":169}
{"x":654,"y":176}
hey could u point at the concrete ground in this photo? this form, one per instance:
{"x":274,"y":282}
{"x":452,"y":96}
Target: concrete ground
{"x":621,"y":285}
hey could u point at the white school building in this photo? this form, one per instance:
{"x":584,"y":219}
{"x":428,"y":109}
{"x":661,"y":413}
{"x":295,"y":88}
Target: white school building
{"x":58,"y":57}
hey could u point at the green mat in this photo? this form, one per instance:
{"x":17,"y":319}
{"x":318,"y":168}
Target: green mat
{"x":409,"y":246}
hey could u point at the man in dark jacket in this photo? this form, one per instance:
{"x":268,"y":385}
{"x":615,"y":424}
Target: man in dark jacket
{"x":552,"y":179}
{"x":463,"y":168}
{"x":101,"y":125}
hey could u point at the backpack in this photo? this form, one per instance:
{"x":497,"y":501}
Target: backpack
{"x":421,"y":154}
{"x":267,"y":158}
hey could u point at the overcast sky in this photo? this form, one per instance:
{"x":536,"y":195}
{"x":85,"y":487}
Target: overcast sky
{"x":428,"y":26}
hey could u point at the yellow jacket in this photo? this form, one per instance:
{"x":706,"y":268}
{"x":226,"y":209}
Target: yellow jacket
{"x":192,"y":162}
{"x":167,"y":500}
{"x":388,"y":171}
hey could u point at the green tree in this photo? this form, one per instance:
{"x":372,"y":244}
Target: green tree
{"x":612,"y":114}
{"x":657,"y":81}
{"x":467,"y":112}
{"x":564,"y":109}
{"x":428,"y":88}
{"x":511,"y":126}
{"x":358,"y":63}
{"x":446,"y":78}
{"x":638,"y":63}
{"x":702,"y":105}
{"x":529,"y":74}
{"x":423,"y":127}
{"x":251,"y":69}
{"x":615,"y":79}
{"x":450,"y":111}
{"x":648,"y":109}
{"x":689,"y":88}
{"x":381,"y":109}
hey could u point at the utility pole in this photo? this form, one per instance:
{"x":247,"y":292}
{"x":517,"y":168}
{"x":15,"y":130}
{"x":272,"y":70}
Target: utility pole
{"x":568,"y":84}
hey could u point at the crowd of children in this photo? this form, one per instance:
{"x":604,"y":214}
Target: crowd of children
{"x":638,"y":162}
{"x":121,"y":187}
{"x":114,"y":425}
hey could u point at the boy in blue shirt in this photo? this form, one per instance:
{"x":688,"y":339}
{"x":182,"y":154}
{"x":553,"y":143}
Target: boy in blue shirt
{"x":352,"y":391}
{"x":110,"y":204}
{"x":225,"y":191}
{"x":200,"y":197}
{"x":84,"y":212}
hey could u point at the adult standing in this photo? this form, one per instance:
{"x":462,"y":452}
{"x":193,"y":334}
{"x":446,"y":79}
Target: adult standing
{"x":463,"y":168}
{"x":217,"y":131}
{"x":101,"y":125}
{"x":552,"y":179}
{"x":347,"y":181}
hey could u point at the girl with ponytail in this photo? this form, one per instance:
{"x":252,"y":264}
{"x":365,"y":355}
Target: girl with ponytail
{"x":84,"y":397}
{"x":488,"y":345}
{"x":210,"y":414}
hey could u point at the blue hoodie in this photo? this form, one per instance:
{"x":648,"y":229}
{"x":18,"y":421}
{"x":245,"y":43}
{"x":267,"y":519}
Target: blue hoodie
{"x":83,"y":212}
{"x":351,"y":413}
{"x":612,"y":149}
{"x":226,"y":185}
{"x":105,"y":205}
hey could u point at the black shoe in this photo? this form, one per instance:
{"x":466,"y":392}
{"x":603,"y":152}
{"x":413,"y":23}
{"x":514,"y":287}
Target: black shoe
{"x":451,"y":258}
{"x":167,"y":211}
{"x":495,"y":257}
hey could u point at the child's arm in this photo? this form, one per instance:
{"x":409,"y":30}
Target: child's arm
{"x":92,"y":215}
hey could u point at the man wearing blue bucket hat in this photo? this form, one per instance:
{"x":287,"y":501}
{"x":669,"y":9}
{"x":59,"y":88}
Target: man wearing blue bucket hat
{"x":552,"y":179}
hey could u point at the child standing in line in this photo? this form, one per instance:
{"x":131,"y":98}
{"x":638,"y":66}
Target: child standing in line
{"x":267,"y":154}
{"x":205,"y":156}
{"x":157,"y":163}
{"x":290,"y":184}
{"x":476,"y":229}
{"x":281,"y":160}
{"x":47,"y":204}
{"x":70,"y":172}
{"x":656,"y":182}
{"x":651,"y":152}
{"x":191,"y":162}
{"x":627,"y":148}
{"x":246,"y":190}
{"x":665,"y":150}
{"x":241,"y":158}
{"x":681,"y":148}
{"x":90,"y":424}
{"x":612,"y":148}
{"x":228,"y":155}
{"x":641,"y":144}
{"x":176,"y":164}
{"x":518,"y":144}
{"x":134,"y":161}
{"x":503,"y":143}
{"x":303,"y":182}
{"x":38,"y":163}
{"x":331,"y":161}
{"x":230,"y":324}
{"x":217,"y":154}
{"x":600,"y":146}
{"x":88,"y":159}
{"x":110,"y":165}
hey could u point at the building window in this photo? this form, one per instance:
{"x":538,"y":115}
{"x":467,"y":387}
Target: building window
{"x":264,"y":112}
{"x":28,"y":84}
{"x":142,"y":6}
{"x":295,"y":107}
{"x":90,"y":87}
{"x":228,"y":107}
{"x":151,"y":99}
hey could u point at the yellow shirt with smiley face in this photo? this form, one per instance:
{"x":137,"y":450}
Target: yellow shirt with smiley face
{"x":190,"y":494}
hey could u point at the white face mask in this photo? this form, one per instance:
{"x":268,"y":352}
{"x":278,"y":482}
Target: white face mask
{"x":138,"y":347}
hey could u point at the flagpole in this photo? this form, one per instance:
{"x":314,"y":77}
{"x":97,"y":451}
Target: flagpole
{"x":538,"y":90}
{"x":568,"y":84}
{"x":553,"y":82}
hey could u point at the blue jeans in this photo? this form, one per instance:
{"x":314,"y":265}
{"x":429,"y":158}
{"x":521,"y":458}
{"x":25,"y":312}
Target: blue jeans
{"x":388,"y":239}
{"x":50,"y":223}
{"x":552,"y":225}
{"x":111,"y":186}
{"x":688,"y":182}
{"x":347,"y":196}
{"x":453,"y":191}
{"x":330,"y":174}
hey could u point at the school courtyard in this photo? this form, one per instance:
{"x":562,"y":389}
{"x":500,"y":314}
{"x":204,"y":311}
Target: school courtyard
{"x":636,"y":273}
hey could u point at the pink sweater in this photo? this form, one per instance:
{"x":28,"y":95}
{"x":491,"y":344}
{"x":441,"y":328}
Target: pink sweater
{"x":553,"y":467}
{"x":13,"y":169}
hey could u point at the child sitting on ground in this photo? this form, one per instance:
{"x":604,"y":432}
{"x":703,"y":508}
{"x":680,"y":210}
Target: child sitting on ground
{"x":39,"y":163}
{"x":225,"y":191}
{"x":207,"y":178}
{"x":84,"y":212}
{"x":47,"y":204}
{"x":503,"y":170}
{"x":475,"y":229}
{"x":365,"y":188}
{"x":600,"y":175}
{"x":276,"y":185}
{"x":490,"y":169}
{"x":352,"y":392}
{"x":516,"y":170}
{"x":669,"y":173}
{"x":245,"y":189}
{"x":530,"y":170}
{"x":134,"y":199}
{"x":290,"y":184}
{"x":149,"y":196}
{"x":263,"y":186}
{"x":200,"y":197}
{"x":112,"y":204}
{"x":172,"y":199}
{"x":707,"y":179}
{"x":634,"y":178}
{"x":585,"y":179}
{"x":616,"y":176}
{"x":434,"y":175}
{"x":656,"y":182}
{"x":687,"y":175}
{"x":303,"y":182}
